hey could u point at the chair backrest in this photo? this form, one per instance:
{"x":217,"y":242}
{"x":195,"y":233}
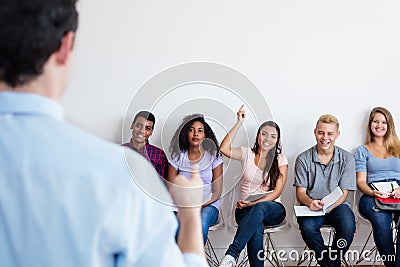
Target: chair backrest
{"x":234,"y":197}
{"x":359,"y":217}
{"x":220,"y":223}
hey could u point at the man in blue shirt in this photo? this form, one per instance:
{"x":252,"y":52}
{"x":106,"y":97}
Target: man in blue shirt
{"x":67,"y":198}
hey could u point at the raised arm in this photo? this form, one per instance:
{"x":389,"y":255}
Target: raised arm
{"x":226,"y":144}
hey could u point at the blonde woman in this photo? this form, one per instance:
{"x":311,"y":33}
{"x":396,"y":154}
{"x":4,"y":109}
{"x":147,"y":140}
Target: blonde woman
{"x":376,"y":161}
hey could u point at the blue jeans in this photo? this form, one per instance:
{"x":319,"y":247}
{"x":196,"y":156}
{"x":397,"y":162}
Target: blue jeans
{"x":380,"y":221}
{"x":209,"y":217}
{"x":342,"y":219}
{"x":250,"y":229}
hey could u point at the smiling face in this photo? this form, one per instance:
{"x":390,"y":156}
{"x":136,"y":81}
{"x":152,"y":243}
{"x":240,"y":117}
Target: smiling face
{"x":326,"y":135}
{"x":196,"y":134}
{"x":142,"y":129}
{"x":379,"y":125}
{"x":267,"y":138}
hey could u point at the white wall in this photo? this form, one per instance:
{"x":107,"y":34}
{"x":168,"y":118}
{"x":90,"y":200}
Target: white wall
{"x":306,"y":57}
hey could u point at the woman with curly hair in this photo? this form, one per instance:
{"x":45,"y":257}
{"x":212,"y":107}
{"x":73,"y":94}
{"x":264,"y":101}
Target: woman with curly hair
{"x":264,"y":171}
{"x":194,"y":142}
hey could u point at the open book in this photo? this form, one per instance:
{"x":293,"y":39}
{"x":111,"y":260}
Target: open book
{"x":329,"y":201}
{"x":386,"y":187}
{"x":255,"y":197}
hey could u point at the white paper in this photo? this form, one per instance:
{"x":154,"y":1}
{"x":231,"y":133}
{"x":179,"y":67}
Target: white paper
{"x":328,"y":201}
{"x":385,"y":186}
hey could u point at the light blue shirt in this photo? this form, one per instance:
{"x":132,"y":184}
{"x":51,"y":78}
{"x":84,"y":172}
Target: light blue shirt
{"x":377,"y":169}
{"x":67,"y":198}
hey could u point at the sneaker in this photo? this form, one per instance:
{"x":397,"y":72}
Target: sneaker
{"x":228,"y":261}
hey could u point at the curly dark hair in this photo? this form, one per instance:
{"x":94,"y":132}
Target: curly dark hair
{"x":180,"y":142}
{"x":272,"y":167}
{"x":30,"y":31}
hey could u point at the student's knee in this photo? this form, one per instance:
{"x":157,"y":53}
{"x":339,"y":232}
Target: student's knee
{"x":309,"y":227}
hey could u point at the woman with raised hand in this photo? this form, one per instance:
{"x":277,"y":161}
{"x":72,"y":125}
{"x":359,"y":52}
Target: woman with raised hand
{"x":378,"y":160}
{"x":194,"y":142}
{"x":264,"y":170}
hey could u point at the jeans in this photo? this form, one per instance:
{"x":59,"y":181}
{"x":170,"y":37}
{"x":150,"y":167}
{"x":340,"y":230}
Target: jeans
{"x":209,"y":217}
{"x":380,"y":221}
{"x":250,"y":229}
{"x":342,"y":219}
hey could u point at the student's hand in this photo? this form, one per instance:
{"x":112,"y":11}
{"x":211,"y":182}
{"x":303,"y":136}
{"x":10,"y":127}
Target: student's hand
{"x":241,"y":204}
{"x":241,"y":114}
{"x":396,"y":193}
{"x":380,"y":194}
{"x":187,"y":193}
{"x":316,"y":205}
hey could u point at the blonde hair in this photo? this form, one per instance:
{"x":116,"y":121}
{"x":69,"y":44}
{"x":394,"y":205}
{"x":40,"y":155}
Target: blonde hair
{"x":328,"y":118}
{"x":390,"y":140}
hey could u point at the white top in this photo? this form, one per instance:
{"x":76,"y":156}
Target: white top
{"x":207,"y":164}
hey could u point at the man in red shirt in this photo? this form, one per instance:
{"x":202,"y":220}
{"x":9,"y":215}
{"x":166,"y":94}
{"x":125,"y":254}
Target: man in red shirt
{"x":142,"y":128}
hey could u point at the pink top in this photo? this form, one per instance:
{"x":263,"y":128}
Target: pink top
{"x":251,"y":180}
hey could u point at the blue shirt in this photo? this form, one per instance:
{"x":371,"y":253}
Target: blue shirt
{"x":67,"y":198}
{"x":377,"y":169}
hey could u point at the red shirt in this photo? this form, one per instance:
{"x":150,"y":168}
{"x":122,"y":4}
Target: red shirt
{"x":155,"y":155}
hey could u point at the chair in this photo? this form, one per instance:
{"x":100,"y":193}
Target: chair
{"x":325,"y":229}
{"x":270,"y":249}
{"x":364,"y":254}
{"x":361,"y":219}
{"x":211,"y":256}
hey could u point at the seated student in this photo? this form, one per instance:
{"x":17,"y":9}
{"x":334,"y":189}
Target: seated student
{"x":194,"y":142}
{"x":142,"y":128}
{"x":318,"y":171}
{"x":376,"y":161}
{"x":264,"y":169}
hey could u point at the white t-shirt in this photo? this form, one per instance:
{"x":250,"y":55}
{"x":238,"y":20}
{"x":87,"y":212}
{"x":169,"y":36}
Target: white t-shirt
{"x":207,"y":164}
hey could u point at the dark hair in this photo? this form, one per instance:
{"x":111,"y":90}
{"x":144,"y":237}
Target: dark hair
{"x":145,"y":114}
{"x":30,"y":31}
{"x":272,"y":167}
{"x":180,"y":142}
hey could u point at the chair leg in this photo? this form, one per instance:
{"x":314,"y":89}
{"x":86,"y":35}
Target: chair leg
{"x":211,"y":256}
{"x":363,"y":249}
{"x":271,"y":252}
{"x":304,"y":257}
{"x":244,"y":260}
